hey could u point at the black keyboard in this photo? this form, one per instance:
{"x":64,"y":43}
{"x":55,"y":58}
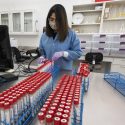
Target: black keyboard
{"x":8,"y":77}
{"x":2,"y":80}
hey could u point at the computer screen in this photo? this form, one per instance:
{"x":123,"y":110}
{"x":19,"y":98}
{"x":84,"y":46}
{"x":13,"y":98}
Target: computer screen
{"x":6,"y":60}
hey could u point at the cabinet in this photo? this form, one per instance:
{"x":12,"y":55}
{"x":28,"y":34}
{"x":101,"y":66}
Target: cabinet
{"x":16,"y":22}
{"x":118,"y":65}
{"x":20,"y":22}
{"x":105,"y":17}
{"x":101,"y":27}
{"x":91,"y":20}
{"x":4,"y":19}
{"x":114,"y":17}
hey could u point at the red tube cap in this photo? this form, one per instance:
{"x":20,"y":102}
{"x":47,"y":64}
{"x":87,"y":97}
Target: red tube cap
{"x":59,"y":114}
{"x":49,"y":118}
{"x":57,"y":121}
{"x":41,"y":116}
{"x":65,"y":116}
{"x":64,"y":122}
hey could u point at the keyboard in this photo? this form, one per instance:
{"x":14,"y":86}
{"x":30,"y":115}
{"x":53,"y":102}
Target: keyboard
{"x":8,"y":77}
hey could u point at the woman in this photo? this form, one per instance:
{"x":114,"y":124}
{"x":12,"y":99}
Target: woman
{"x":59,"y":43}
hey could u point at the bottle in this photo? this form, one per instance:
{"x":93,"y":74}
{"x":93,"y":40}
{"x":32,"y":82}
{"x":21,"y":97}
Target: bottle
{"x":64,"y":122}
{"x":41,"y":117}
{"x":15,"y":108}
{"x":57,"y":121}
{"x":7,"y":112}
{"x":49,"y":120}
{"x":2,"y":113}
{"x":11,"y":101}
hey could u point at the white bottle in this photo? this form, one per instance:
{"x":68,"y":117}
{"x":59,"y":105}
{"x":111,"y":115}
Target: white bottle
{"x":41,"y":117}
{"x":2,"y":113}
{"x":7,"y":112}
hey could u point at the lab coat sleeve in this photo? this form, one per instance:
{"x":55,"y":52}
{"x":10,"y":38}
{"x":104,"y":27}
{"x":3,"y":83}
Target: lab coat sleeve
{"x":42,"y":51}
{"x":74,"y":51}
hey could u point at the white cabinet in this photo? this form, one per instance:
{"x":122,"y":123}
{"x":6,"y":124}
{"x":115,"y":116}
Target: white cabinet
{"x":5,"y":19}
{"x":118,"y":65}
{"x":91,"y":19}
{"x":28,"y":21}
{"x":114,"y":18}
{"x":20,"y":22}
{"x":106,"y":17}
{"x":16,"y":22}
{"x":94,"y":20}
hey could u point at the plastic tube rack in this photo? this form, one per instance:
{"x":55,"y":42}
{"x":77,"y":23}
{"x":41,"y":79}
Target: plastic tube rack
{"x":116,"y":80}
{"x":65,"y":103}
{"x":19,"y":104}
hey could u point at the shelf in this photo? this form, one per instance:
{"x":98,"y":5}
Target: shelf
{"x":96,"y":13}
{"x":100,"y":33}
{"x":87,"y":11}
{"x":86,"y":33}
{"x":25,"y":33}
{"x":113,"y":19}
{"x":112,"y":33}
{"x":85,"y":24}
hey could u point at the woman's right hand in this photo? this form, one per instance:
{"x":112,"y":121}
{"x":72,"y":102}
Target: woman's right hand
{"x":40,"y":60}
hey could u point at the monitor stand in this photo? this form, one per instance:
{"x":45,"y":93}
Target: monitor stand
{"x":3,"y":69}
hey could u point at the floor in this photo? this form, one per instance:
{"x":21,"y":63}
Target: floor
{"x":103,"y":105}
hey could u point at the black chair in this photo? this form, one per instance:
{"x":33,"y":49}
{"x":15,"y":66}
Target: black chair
{"x":19,"y":55}
{"x":94,"y":59}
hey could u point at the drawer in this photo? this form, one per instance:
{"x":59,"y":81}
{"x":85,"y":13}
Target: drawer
{"x":102,"y":38}
{"x":117,"y":45}
{"x":86,"y":44}
{"x":104,"y":51}
{"x":96,"y":44}
{"x":117,"y":52}
{"x":86,"y":50}
{"x":118,"y":68}
{"x":108,"y":59}
{"x":119,"y":61}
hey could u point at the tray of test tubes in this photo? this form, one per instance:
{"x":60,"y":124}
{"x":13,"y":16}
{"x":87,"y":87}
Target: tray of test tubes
{"x":83,"y":71}
{"x":20,"y":104}
{"x":116,"y":80}
{"x":65,"y":104}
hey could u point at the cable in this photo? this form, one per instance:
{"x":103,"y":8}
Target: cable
{"x":30,"y":70}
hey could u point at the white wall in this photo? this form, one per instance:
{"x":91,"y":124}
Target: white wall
{"x":42,"y":7}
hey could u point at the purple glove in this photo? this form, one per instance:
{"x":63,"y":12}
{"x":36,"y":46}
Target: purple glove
{"x":57,"y":55}
{"x":40,"y":60}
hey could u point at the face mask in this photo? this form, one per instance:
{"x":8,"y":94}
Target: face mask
{"x":52,"y":25}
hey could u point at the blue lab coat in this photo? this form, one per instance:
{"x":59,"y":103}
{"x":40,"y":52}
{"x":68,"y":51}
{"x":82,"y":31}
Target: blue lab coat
{"x":71,"y":44}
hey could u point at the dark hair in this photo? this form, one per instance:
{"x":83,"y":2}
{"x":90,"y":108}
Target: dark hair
{"x":61,"y":22}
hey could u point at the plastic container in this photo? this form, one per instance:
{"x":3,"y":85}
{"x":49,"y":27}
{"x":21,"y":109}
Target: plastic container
{"x":64,"y":122}
{"x":49,"y":120}
{"x":11,"y":101}
{"x":86,"y":49}
{"x":7,"y":112}
{"x":117,"y":52}
{"x":41,"y":117}
{"x":85,"y":44}
{"x":104,"y":51}
{"x":57,"y":121}
{"x":15,"y":108}
{"x":2,"y":112}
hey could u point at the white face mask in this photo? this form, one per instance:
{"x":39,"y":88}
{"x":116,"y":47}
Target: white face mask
{"x":52,"y":25}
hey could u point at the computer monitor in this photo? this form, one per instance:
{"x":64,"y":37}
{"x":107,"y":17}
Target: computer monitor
{"x":6,"y":60}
